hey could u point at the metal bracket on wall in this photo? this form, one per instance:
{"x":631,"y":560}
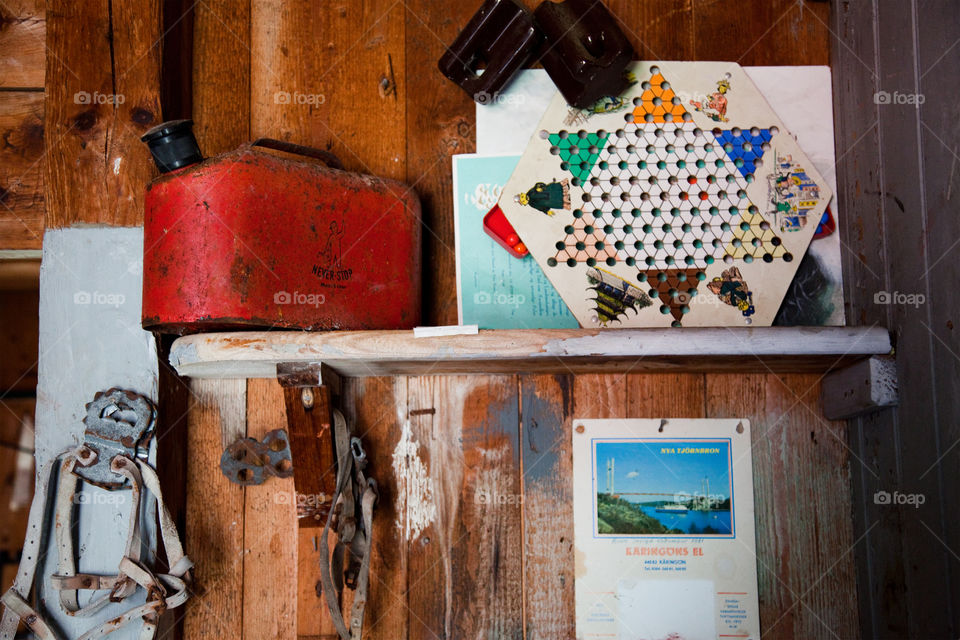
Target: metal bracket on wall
{"x":248,"y":462}
{"x":308,"y":392}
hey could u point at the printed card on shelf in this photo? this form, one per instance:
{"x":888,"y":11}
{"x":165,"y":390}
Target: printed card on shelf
{"x":664,"y":530}
{"x":494,"y":289}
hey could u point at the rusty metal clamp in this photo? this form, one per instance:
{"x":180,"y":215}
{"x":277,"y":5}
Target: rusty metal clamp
{"x":118,"y":422}
{"x":248,"y":462}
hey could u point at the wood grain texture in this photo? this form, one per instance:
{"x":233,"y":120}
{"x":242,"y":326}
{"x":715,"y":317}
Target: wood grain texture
{"x":778,"y":32}
{"x":549,"y":604}
{"x":214,"y":535}
{"x":801,"y":475}
{"x":172,"y":432}
{"x":676,"y":396}
{"x":270,"y":532}
{"x":908,"y":225}
{"x":860,"y":196}
{"x":899,"y":174}
{"x":221,"y":75}
{"x":21,"y":169}
{"x":376,"y":407}
{"x":313,"y":620}
{"x":937,"y":31}
{"x":375,"y":62}
{"x":363,"y":353}
{"x":22,"y":36}
{"x":658,"y":30}
{"x":103,"y":85}
{"x":441,"y":122}
{"x":317,"y":78}
{"x":464,"y":577}
{"x":310,"y":433}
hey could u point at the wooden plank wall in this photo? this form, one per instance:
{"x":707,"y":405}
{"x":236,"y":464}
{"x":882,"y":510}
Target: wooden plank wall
{"x":22,"y":37}
{"x":895,"y":85}
{"x":103,"y":93}
{"x":473,"y":532}
{"x":22,"y":59}
{"x":476,"y":568}
{"x":384,"y":108}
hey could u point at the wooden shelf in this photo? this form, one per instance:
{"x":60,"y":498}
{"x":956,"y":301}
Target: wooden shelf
{"x":375,"y":353}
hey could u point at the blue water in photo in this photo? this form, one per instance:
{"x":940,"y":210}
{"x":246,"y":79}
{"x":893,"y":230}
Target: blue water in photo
{"x":692,"y":521}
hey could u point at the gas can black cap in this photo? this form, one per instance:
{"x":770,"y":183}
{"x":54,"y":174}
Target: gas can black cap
{"x":173,"y":145}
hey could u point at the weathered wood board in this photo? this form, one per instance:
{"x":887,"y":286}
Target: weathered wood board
{"x":387,"y":53}
{"x":473,"y":530}
{"x":897,"y":140}
{"x":22,"y":38}
{"x":103,"y":86}
{"x":364,"y":353}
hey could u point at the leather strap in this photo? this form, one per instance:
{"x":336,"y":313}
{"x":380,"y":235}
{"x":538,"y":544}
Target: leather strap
{"x":352,"y":540}
{"x":164,"y":591}
{"x":15,"y":599}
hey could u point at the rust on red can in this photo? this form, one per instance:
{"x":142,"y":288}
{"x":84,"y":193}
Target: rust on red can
{"x":249,"y":239}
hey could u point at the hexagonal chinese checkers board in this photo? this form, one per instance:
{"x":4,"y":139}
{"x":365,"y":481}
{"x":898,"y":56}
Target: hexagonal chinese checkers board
{"x":682,"y":202}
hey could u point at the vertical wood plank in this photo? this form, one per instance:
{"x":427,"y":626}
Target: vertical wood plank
{"x":665,"y":396}
{"x":220,"y":98}
{"x":801,"y":468}
{"x":657,"y":30}
{"x":937,"y":31}
{"x":172,"y":434}
{"x":328,"y":76}
{"x":313,"y":620}
{"x":549,"y":599}
{"x":221,"y":74}
{"x":464,"y":577}
{"x":778,"y":32}
{"x":599,"y":396}
{"x":907,"y":226}
{"x":19,"y":341}
{"x":214,"y":532}
{"x":270,"y":537}
{"x":176,"y":89}
{"x":21,"y":158}
{"x":103,"y":80}
{"x":16,"y":481}
{"x":861,"y":196}
{"x":375,"y":407}
{"x":440,"y":122}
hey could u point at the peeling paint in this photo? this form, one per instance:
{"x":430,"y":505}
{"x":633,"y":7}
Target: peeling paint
{"x":416,"y":509}
{"x":492,"y":483}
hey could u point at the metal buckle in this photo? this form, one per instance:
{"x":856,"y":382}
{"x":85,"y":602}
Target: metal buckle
{"x":118,"y":422}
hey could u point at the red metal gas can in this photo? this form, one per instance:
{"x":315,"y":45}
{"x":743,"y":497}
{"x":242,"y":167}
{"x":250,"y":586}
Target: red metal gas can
{"x":250,"y":239}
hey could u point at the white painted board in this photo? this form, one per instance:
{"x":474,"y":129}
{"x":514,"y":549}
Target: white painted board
{"x":90,"y":340}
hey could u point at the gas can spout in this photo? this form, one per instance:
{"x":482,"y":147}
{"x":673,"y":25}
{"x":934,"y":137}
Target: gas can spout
{"x":173,"y":145}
